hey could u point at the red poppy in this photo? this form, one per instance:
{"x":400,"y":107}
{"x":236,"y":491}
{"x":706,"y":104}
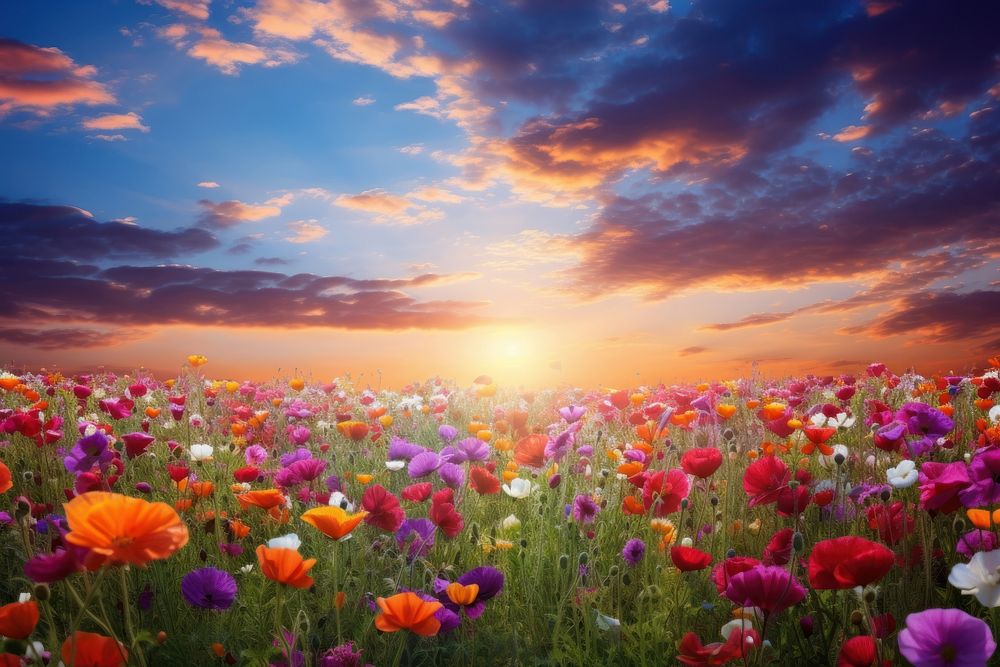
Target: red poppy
{"x":892,"y":522}
{"x":689,"y":559}
{"x":793,"y":501}
{"x":383,"y":508}
{"x":664,"y":490}
{"x":765,"y":479}
{"x":18,"y":619}
{"x":444,"y":516}
{"x":779,"y":550}
{"x":619,"y":399}
{"x":846,"y":562}
{"x":530,"y":451}
{"x":87,"y":649}
{"x":702,"y":461}
{"x":860,"y":652}
{"x":724,"y":571}
{"x":738,"y":645}
{"x":247,"y":474}
{"x":817,"y":438}
{"x":418,"y":492}
{"x":6,"y":479}
{"x":483,"y":482}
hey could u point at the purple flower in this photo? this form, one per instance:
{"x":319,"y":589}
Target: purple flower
{"x":56,"y":566}
{"x":424,"y":464}
{"x":585,"y":510}
{"x":473,"y":449}
{"x":341,"y":656}
{"x":422,"y":532}
{"x":976,"y":540}
{"x":303,"y":470}
{"x":558,"y":447}
{"x":572,"y":413}
{"x":946,"y":638}
{"x":984,"y":471}
{"x":924,"y":426}
{"x":299,"y":434}
{"x":634,"y":551}
{"x":447,"y":432}
{"x":490,"y":581}
{"x":452,"y":475}
{"x":299,"y":454}
{"x":401,"y":450}
{"x":209,"y":588}
{"x":89,"y":451}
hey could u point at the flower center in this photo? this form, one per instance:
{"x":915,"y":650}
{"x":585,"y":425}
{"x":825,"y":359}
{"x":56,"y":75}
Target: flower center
{"x":122,"y":541}
{"x":948,"y":653}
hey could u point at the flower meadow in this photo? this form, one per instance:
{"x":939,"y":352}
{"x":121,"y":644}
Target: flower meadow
{"x":848,"y":521}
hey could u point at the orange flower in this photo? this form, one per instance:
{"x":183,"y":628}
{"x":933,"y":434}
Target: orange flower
{"x":407,"y":611}
{"x":196,"y":360}
{"x":298,"y":384}
{"x":18,"y":619}
{"x":238,"y":529}
{"x":462,"y":595}
{"x":152,"y":412}
{"x":725,"y":410}
{"x":263,"y":498}
{"x":120,"y":529}
{"x":87,"y":649}
{"x":352,"y":429}
{"x":364,"y":478}
{"x":333,"y":521}
{"x":6,"y":479}
{"x":982,"y":518}
{"x":285,"y":566}
{"x":202,"y":489}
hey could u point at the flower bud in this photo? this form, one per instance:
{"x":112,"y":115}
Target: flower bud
{"x":798,"y":542}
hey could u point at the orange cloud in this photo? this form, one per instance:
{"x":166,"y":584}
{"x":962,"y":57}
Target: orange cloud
{"x":306,"y":231}
{"x":196,"y":9}
{"x":375,"y":201}
{"x":852,"y":133}
{"x":233,"y":211}
{"x":63,"y":83}
{"x":116,"y":121}
{"x":434,"y":194}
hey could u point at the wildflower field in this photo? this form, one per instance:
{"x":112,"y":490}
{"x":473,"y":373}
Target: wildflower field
{"x":204,"y":521}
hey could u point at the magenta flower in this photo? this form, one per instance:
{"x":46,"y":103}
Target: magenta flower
{"x":940,"y":485}
{"x":585,"y":510}
{"x":946,"y":638}
{"x":572,"y":413}
{"x":767,"y":587}
{"x":984,"y":473}
{"x":423,"y":464}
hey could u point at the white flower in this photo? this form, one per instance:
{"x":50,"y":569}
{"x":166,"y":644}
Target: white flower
{"x":519,"y":488}
{"x":246,"y":569}
{"x":981,"y":577}
{"x":201,"y":452}
{"x":687,"y":542}
{"x":511,"y":524}
{"x":338,"y":499}
{"x":24,"y":597}
{"x":841,"y":421}
{"x":289,"y":541}
{"x":607,"y":623}
{"x":994,"y":414}
{"x":35,"y":651}
{"x":903,"y":475}
{"x":736,"y":624}
{"x":828,"y":461}
{"x":395,"y":465}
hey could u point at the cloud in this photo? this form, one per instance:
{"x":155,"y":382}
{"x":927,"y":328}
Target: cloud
{"x":938,"y":317}
{"x":755,"y":320}
{"x":412,"y":149}
{"x":691,"y":351}
{"x":271,"y":261}
{"x":196,"y":9}
{"x":852,"y":133}
{"x":60,"y":275}
{"x":116,"y":121}
{"x":69,"y":233}
{"x":208,"y":44}
{"x":363,"y":101}
{"x":375,"y":201}
{"x":62,"y":338}
{"x":435,"y":194}
{"x":232,"y":212}
{"x":208,"y":184}
{"x":39,"y":80}
{"x":306,"y":231}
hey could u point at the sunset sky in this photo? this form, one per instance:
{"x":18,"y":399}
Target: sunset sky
{"x":595,"y":193}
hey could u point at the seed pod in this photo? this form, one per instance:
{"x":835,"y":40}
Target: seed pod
{"x":41,"y":592}
{"x":583,"y":558}
{"x":563,"y":562}
{"x":798,"y":542}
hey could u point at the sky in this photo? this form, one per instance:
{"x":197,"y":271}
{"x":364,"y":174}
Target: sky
{"x":550,"y":192}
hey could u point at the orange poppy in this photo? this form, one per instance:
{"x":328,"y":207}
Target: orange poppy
{"x":202,"y":489}
{"x":333,"y":521}
{"x":364,"y":478}
{"x":121,"y":529}
{"x":408,"y":611}
{"x":298,"y":384}
{"x":263,"y":498}
{"x":353,"y":429}
{"x":6,"y":479}
{"x":18,"y":619}
{"x":286,"y":566}
{"x":8,"y":382}
{"x":238,"y":529}
{"x":152,"y":412}
{"x":88,"y":649}
{"x":983,"y":519}
{"x":725,"y":410}
{"x":461,"y":594}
